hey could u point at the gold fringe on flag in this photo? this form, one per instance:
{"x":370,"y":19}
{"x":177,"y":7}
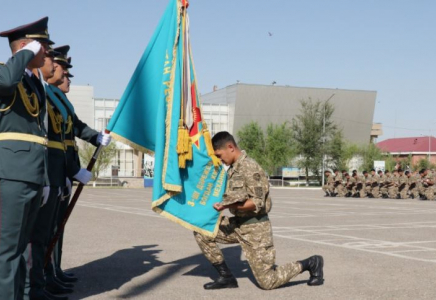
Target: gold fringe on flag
{"x":189,"y":153}
{"x":182,"y":160}
{"x":180,"y":137}
{"x":208,"y":141}
{"x":186,"y":140}
{"x":184,"y":145}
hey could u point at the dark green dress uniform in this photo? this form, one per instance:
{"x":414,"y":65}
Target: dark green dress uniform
{"x":43,"y":230}
{"x":74,"y":128}
{"x":23,"y":158}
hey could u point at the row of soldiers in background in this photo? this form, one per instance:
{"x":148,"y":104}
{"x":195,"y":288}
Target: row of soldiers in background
{"x":395,"y":185}
{"x":38,"y":163}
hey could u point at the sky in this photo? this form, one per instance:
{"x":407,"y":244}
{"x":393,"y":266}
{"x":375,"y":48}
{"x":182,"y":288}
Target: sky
{"x":379,"y":45}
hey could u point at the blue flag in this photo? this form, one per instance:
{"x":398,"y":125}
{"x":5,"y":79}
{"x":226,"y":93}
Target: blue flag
{"x":160,"y":112}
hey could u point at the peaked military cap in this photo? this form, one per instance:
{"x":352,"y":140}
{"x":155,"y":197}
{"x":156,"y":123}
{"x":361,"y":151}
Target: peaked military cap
{"x":36,"y":31}
{"x":69,"y":75}
{"x":62,"y":57}
{"x":52,"y":52}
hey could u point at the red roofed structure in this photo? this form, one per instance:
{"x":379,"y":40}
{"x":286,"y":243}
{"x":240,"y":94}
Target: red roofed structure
{"x":419,"y":147}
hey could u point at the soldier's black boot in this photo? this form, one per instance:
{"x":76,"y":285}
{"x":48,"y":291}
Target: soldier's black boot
{"x":225,"y":281}
{"x":327,"y":194}
{"x":314,"y":265}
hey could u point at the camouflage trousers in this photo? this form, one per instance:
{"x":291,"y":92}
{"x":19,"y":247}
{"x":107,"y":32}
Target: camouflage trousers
{"x":383,"y":191}
{"x":340,"y":189}
{"x":429,"y":193}
{"x":375,"y":191}
{"x":256,"y":241}
{"x":393,"y":192}
{"x":359,"y":188}
{"x":328,"y":188}
{"x":403,"y":192}
{"x":414,"y":190}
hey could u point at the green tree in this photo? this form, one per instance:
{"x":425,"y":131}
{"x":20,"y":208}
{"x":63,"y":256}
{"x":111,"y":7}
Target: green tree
{"x":278,"y":147}
{"x":251,"y":138}
{"x":369,"y":154}
{"x":271,"y":150}
{"x":104,"y":159}
{"x":312,"y":130}
{"x":423,"y":163}
{"x":390,"y":162}
{"x":340,"y":152}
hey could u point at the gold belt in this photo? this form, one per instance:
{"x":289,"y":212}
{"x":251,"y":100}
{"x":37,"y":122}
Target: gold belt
{"x":57,"y":145}
{"x":15,"y":136}
{"x":71,"y":143}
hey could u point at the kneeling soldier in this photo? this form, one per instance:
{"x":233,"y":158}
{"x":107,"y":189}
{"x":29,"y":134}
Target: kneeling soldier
{"x":247,"y":197}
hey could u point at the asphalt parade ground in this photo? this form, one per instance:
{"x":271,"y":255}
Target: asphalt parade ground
{"x":373,"y":249}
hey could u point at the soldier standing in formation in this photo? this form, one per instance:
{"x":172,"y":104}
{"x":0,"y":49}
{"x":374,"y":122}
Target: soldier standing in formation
{"x":247,"y":197}
{"x":23,"y":146}
{"x":37,"y":128}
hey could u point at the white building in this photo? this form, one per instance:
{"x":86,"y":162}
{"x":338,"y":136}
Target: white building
{"x":96,"y":112}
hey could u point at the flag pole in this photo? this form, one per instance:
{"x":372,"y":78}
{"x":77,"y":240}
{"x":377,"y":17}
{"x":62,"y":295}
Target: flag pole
{"x":70,"y":208}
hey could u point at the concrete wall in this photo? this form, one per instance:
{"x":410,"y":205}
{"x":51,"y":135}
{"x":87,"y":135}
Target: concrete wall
{"x":266,"y":104}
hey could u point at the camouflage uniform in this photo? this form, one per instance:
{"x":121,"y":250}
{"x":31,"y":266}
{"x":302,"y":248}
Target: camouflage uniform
{"x":413,"y":185}
{"x":375,"y":189}
{"x":384,"y":181}
{"x":429,"y":188}
{"x":393,"y":187}
{"x":252,"y":230}
{"x":421,"y":185}
{"x":367,"y":182}
{"x":403,"y":186}
{"x":351,"y":183}
{"x":339,"y":186}
{"x":329,"y":187}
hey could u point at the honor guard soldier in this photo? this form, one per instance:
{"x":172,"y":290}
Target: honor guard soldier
{"x":74,"y":127}
{"x":247,"y":197}
{"x":45,"y":224}
{"x":23,"y":152}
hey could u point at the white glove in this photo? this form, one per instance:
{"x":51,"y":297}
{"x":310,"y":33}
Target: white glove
{"x":69,"y":188}
{"x":33,"y":46}
{"x":84,"y":176}
{"x":45,"y":193}
{"x":104,"y":138}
